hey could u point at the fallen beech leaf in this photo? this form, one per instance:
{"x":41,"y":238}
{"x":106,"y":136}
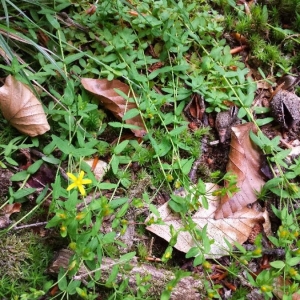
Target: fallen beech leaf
{"x":235,"y":228}
{"x":99,"y":169}
{"x":21,"y":108}
{"x":105,"y":92}
{"x":244,"y":161}
{"x":5,"y":213}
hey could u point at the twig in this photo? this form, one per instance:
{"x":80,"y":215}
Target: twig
{"x":268,"y":251}
{"x":30,"y":225}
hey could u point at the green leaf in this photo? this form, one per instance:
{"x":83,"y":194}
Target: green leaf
{"x":187,"y":166}
{"x":51,"y":160}
{"x":198,"y":260}
{"x":261,"y":110}
{"x":20,"y":176}
{"x":177,"y":130}
{"x":73,"y":57}
{"x":127,"y":256}
{"x":240,"y":247}
{"x":117,"y":202}
{"x":56,"y":187}
{"x":62,"y":145}
{"x":62,"y":280}
{"x":131,"y":114}
{"x":83,"y":152}
{"x":293,"y":261}
{"x":113,"y":275}
{"x":261,"y":122}
{"x":108,"y":238}
{"x":52,"y":21}
{"x":42,"y":195}
{"x":194,"y":251}
{"x":115,"y":164}
{"x":107,"y":186}
{"x":11,"y":161}
{"x":277,"y":264}
{"x":71,"y":289}
{"x":120,"y":147}
{"x":34,"y":167}
{"x":23,"y":193}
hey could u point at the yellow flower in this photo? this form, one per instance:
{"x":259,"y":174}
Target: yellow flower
{"x":78,"y":182}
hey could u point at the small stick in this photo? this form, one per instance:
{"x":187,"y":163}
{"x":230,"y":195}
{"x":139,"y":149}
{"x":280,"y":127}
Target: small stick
{"x":238,"y":49}
{"x":30,"y":225}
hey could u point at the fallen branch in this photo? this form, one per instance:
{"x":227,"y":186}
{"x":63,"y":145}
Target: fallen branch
{"x":188,"y":288}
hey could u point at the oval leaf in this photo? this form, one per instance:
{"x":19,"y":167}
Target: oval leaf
{"x":21,"y":108}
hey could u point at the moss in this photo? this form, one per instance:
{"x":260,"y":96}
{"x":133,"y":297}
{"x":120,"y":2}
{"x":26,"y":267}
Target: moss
{"x":24,"y":259}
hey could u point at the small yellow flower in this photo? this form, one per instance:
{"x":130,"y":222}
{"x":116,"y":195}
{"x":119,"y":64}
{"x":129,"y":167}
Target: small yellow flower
{"x":78,"y":182}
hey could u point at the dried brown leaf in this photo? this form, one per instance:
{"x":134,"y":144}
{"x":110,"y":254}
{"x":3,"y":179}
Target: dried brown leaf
{"x":21,"y":108}
{"x":5,"y":213}
{"x":235,"y":228}
{"x":244,"y":162}
{"x":105,"y":92}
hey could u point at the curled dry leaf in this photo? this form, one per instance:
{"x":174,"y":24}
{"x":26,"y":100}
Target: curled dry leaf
{"x":98,"y":167}
{"x":105,"y":92}
{"x":236,"y":228}
{"x":21,"y":108}
{"x":244,"y":162}
{"x":5,"y":213}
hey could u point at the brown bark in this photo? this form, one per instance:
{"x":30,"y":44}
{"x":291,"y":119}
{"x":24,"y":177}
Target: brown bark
{"x":188,"y":288}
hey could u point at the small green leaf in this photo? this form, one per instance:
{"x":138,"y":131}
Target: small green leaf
{"x":293,"y":261}
{"x":117,"y":202}
{"x":120,"y":147}
{"x":107,"y":186}
{"x":73,"y":57}
{"x":11,"y":161}
{"x":23,"y":193}
{"x":131,"y":114}
{"x":261,"y":122}
{"x":51,"y":160}
{"x":177,"y":130}
{"x":277,"y":264}
{"x":115,"y":164}
{"x":108,"y":238}
{"x":34,"y":167}
{"x":62,"y":280}
{"x":194,"y":251}
{"x":127,"y":256}
{"x":20,"y":176}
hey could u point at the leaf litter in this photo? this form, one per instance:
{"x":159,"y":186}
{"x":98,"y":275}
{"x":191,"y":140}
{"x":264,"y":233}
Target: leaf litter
{"x":22,"y":109}
{"x":236,"y":228}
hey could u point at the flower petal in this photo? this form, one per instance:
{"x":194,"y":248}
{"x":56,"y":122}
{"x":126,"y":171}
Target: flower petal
{"x":86,"y":181}
{"x":81,"y":175}
{"x":72,"y":177}
{"x":82,"y":190}
{"x":71,"y":186}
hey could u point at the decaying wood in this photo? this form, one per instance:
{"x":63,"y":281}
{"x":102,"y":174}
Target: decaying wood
{"x":188,"y":288}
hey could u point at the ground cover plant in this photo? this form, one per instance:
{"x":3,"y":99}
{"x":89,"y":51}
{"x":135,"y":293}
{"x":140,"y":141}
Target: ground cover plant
{"x":149,"y":149}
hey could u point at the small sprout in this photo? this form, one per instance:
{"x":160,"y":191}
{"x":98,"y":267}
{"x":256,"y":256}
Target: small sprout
{"x":206,"y":265}
{"x":80,"y":216}
{"x":72,"y":246}
{"x":257,"y":251}
{"x":266,"y":288}
{"x":169,"y":177}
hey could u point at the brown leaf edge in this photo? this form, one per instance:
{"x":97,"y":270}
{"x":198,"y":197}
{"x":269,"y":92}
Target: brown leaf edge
{"x":105,"y":91}
{"x":244,"y":161}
